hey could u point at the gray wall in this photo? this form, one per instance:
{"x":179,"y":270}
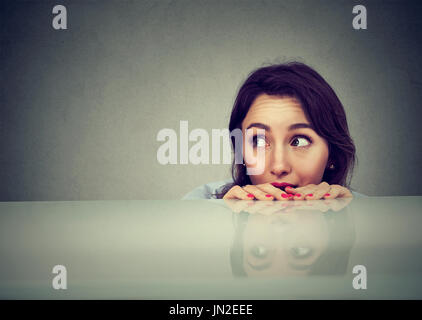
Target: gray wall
{"x":81,"y":108}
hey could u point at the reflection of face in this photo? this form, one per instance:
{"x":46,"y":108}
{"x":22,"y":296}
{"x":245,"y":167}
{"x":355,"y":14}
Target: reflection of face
{"x":286,"y":244}
{"x":294,"y":152}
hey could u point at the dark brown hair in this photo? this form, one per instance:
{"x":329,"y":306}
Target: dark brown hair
{"x":320,"y":104}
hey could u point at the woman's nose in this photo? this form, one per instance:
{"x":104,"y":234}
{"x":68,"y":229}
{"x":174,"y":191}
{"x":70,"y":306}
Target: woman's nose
{"x":280,"y":164}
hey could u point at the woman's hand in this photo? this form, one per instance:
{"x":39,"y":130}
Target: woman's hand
{"x":264,"y":191}
{"x":267,"y":192}
{"x":319,"y":191}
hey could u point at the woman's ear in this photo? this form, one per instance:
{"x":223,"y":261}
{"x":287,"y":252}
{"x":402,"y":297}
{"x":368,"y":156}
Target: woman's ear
{"x":330,"y":165}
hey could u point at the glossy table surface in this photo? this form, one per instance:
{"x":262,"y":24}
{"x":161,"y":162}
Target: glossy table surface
{"x":212,"y":249}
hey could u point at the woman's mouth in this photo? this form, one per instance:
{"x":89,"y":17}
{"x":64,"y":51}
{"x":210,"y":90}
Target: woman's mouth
{"x":282,"y":185}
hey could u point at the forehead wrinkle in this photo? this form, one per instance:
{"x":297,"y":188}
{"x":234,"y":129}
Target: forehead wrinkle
{"x":273,"y":112}
{"x":275,"y":100}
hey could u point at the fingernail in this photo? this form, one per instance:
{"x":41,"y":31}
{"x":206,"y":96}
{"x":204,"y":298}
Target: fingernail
{"x":268,"y":195}
{"x":290,"y":195}
{"x":309,"y":195}
{"x":250,"y":195}
{"x":298,"y":195}
{"x":284,"y":195}
{"x":327,"y":195}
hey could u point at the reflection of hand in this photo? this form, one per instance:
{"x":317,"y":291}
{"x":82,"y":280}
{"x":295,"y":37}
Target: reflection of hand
{"x":322,"y":190}
{"x":272,"y":207}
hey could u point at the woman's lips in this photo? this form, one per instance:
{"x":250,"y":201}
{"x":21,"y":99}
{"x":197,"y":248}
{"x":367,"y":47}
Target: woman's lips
{"x":282,"y":185}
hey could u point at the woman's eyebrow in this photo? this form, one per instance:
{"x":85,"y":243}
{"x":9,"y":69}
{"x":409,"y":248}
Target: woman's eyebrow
{"x":259,"y":125}
{"x":299,"y":126}
{"x":291,"y":127}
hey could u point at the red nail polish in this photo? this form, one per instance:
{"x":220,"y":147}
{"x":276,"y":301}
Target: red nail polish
{"x":309,"y":195}
{"x":284,"y":195}
{"x":250,"y":195}
{"x":327,"y":195}
{"x":290,"y":195}
{"x":297,"y":194}
{"x":268,"y":195}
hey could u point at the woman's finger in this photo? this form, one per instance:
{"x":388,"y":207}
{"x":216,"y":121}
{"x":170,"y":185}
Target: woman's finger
{"x":322,"y":189}
{"x":333,"y":192}
{"x":275,"y":192}
{"x":337,"y":191}
{"x":344,"y":193}
{"x":305,"y":192}
{"x":237,"y":192}
{"x":296,"y":194}
{"x":259,"y":194}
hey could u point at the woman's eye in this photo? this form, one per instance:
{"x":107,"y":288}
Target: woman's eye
{"x":259,"y":141}
{"x":301,"y":142}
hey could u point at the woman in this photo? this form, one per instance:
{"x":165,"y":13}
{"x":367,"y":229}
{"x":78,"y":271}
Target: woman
{"x":307,"y":148}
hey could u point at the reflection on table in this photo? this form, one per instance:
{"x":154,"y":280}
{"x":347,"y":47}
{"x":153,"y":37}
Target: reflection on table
{"x":293,"y":238}
{"x":212,"y":249}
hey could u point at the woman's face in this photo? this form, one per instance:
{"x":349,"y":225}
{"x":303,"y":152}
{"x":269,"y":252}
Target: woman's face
{"x":292,"y":151}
